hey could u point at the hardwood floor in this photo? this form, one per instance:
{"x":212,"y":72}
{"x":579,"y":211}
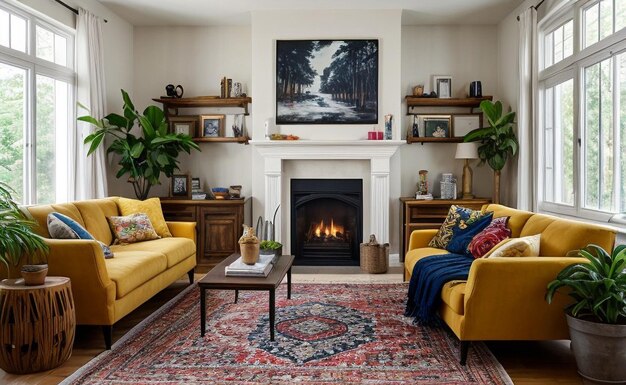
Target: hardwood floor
{"x":532,"y":363}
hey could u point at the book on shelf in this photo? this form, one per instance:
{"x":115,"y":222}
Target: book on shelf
{"x":260,"y":269}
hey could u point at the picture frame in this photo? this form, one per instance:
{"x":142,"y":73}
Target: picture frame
{"x":211,"y":126}
{"x":462,"y":124}
{"x":322,"y":98}
{"x":442,"y":85}
{"x":183,"y":125}
{"x":180,"y":186}
{"x":437,"y":126}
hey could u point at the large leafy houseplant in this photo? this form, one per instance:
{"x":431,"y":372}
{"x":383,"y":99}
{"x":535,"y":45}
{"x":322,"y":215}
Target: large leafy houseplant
{"x":597,"y":316}
{"x":497,"y":141}
{"x":17,"y":239}
{"x":142,"y":157}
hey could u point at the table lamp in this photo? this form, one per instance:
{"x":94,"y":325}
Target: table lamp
{"x":467,"y":151}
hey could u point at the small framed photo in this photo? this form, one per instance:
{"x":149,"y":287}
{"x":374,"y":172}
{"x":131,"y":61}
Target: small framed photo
{"x":211,"y":126}
{"x":462,"y":124}
{"x":181,"y":186}
{"x":195,"y":184}
{"x":185,"y":125}
{"x":438,"y":126}
{"x":442,"y":85}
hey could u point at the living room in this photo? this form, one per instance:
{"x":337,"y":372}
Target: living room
{"x":532,"y":56}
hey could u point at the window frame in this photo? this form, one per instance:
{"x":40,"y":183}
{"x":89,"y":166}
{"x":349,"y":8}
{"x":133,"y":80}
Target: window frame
{"x":36,"y":66}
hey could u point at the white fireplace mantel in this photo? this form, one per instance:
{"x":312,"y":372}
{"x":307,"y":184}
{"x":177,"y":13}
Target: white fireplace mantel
{"x":378,"y":152}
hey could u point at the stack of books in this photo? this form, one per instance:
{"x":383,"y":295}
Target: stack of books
{"x":260,"y":269}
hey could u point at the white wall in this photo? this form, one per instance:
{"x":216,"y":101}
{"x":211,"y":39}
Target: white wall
{"x":197,"y":58}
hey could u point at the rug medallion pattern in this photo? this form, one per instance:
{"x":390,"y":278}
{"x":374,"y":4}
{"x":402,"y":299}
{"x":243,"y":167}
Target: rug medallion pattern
{"x":326,"y":334}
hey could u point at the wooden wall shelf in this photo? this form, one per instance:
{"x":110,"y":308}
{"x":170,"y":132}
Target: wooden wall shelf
{"x":414,"y":101}
{"x":203,"y":101}
{"x":411,"y":139}
{"x":243,"y":139}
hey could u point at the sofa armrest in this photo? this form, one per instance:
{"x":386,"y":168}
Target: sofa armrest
{"x":183,"y":229}
{"x":420,"y":238}
{"x":505,"y":299}
{"x":82,"y":261}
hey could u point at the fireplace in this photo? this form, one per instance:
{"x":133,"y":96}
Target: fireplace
{"x":326,"y":221}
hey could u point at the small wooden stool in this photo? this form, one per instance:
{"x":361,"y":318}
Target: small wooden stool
{"x":37,"y":325}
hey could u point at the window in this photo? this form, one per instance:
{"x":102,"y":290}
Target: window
{"x":582,"y":128}
{"x":36,"y":106}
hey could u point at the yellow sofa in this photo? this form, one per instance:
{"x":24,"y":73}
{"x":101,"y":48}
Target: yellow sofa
{"x":503,"y":298}
{"x":105,"y":290}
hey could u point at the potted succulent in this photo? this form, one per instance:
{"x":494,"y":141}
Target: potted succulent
{"x":271,"y":248}
{"x":497,"y":141}
{"x":597,"y":317}
{"x":142,"y":157}
{"x":17,"y":240}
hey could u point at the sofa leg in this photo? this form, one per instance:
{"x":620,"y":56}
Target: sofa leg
{"x":464,"y":349}
{"x":107,"y":331}
{"x":190,"y":274}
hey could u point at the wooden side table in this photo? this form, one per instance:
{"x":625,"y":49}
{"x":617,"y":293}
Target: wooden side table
{"x":37,"y":325}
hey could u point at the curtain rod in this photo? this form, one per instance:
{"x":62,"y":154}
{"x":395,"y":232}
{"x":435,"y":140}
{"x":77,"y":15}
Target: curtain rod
{"x":73,"y":9}
{"x":532,"y":6}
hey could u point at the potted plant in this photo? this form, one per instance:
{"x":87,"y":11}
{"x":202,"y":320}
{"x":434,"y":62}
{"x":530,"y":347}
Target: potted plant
{"x":271,"y":248}
{"x":597,"y":317}
{"x":17,"y":240}
{"x":497,"y":141}
{"x":142,"y":157}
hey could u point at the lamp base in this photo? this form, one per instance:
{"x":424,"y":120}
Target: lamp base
{"x":468,"y":196}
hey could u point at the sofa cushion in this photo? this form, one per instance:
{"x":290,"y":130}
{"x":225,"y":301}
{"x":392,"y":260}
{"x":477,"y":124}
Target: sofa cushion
{"x":411,"y":258}
{"x":40,"y":214}
{"x":453,"y":294}
{"x":492,"y":235}
{"x":94,"y":213}
{"x":133,"y":228}
{"x":456,"y":216}
{"x":463,"y":233}
{"x":174,"y":249}
{"x":517,"y":247}
{"x":131,"y":269}
{"x":562,"y":236}
{"x":517,"y":220}
{"x":151,"y":207}
{"x":63,"y":227}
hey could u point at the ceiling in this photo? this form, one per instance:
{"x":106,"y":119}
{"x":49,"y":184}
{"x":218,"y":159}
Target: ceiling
{"x":237,"y":12}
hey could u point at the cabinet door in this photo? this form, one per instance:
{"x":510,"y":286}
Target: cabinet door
{"x":219,"y":234}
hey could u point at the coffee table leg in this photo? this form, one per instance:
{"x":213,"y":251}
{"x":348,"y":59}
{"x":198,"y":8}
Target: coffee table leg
{"x":202,"y":311}
{"x":289,"y":283}
{"x":272,"y":313}
{"x":236,"y":295}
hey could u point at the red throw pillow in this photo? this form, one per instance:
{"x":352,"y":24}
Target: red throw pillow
{"x":493,"y":234}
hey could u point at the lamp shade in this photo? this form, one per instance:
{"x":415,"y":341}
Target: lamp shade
{"x":467,"y":150}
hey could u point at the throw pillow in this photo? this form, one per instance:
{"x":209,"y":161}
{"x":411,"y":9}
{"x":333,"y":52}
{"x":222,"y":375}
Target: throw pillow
{"x":456,"y":215}
{"x":133,"y":228}
{"x":463,"y":233}
{"x":519,"y":247}
{"x":151,"y":207}
{"x":487,"y":239}
{"x":63,"y":227}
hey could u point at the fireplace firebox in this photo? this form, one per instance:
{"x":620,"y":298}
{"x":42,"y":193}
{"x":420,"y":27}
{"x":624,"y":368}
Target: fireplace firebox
{"x":326,"y":221}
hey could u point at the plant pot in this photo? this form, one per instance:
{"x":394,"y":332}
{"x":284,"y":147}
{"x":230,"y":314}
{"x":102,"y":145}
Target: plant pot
{"x":274,"y":252}
{"x":34,"y":275}
{"x":599,"y":349}
{"x":249,"y":253}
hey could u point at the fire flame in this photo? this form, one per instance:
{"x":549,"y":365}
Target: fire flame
{"x":329,"y":231}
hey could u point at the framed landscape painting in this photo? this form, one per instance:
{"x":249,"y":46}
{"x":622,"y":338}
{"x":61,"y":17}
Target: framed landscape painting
{"x":327,"y":82}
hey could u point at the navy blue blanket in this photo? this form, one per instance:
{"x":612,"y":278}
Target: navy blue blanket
{"x":429,"y":276}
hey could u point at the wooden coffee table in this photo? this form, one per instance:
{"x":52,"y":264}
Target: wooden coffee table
{"x":217,"y":280}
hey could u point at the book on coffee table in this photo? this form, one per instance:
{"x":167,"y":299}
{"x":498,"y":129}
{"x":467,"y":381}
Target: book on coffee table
{"x":260,"y":269}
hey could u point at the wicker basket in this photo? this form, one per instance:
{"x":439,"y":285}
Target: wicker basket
{"x":374,"y":257}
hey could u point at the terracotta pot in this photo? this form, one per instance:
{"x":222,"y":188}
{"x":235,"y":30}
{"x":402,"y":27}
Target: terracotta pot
{"x":249,"y":253}
{"x":34,"y":275}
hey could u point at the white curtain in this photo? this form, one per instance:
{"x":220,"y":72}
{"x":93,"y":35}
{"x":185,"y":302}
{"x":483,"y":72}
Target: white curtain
{"x":526,"y":111}
{"x":90,"y":179}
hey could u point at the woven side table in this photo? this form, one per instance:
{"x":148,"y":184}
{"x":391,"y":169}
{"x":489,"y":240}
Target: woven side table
{"x":37,"y":325}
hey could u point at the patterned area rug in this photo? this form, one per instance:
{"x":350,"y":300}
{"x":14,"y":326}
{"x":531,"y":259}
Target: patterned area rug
{"x":326,"y":334}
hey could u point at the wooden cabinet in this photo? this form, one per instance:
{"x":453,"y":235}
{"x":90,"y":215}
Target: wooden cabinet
{"x":444,"y":106}
{"x":219,"y":226}
{"x":421,"y":214}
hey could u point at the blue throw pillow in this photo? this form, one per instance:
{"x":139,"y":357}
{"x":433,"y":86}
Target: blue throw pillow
{"x":63,"y":227}
{"x":464,"y":232}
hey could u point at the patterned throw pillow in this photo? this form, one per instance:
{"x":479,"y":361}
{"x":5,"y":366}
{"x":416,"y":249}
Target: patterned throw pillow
{"x":456,"y":215}
{"x":151,"y":207}
{"x":518,"y":247}
{"x":463,"y":234}
{"x":63,"y":227}
{"x":483,"y":242}
{"x":133,"y":228}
